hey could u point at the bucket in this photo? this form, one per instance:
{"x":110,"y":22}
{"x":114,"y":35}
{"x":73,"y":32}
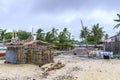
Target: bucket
{"x":106,"y":57}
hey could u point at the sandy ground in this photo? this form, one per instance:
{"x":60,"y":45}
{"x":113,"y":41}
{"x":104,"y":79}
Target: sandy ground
{"x":19,"y":71}
{"x":75,"y":69}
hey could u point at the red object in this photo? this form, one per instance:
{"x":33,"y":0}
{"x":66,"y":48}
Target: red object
{"x":88,"y":53}
{"x":2,"y":54}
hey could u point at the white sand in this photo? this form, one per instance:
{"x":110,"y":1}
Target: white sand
{"x":75,"y":69}
{"x":89,"y":69}
{"x":19,"y":71}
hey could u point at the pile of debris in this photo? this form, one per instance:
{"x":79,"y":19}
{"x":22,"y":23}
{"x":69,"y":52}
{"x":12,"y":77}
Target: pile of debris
{"x":78,"y":51}
{"x":52,"y":66}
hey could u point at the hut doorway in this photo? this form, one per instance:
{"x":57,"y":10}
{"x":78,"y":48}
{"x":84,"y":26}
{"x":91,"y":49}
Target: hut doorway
{"x":11,"y":56}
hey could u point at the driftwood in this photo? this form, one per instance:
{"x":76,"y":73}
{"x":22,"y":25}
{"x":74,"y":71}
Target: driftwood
{"x":52,"y":66}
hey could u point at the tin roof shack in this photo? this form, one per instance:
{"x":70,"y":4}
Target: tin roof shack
{"x":33,"y":52}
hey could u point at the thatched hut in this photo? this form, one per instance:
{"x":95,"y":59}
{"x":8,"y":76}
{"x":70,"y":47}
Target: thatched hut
{"x":36,"y":52}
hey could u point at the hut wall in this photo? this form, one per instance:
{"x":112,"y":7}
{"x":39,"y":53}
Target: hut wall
{"x":112,"y":47}
{"x":21,"y":56}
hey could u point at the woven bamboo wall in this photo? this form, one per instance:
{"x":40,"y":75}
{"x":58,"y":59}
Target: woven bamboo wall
{"x":35,"y":54}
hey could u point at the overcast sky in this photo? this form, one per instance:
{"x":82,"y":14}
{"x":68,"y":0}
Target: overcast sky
{"x":46,"y":14}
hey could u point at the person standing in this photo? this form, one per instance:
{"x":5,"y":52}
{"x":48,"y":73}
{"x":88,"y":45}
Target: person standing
{"x":88,"y":52}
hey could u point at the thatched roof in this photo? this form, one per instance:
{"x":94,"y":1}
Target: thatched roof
{"x":25,"y":43}
{"x":36,"y":41}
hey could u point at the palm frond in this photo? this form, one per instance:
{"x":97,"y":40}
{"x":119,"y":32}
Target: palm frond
{"x":117,"y":20}
{"x":118,"y":15}
{"x":116,"y":26}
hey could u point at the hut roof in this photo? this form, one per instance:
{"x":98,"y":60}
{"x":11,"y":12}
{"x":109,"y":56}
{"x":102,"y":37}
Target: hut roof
{"x":36,"y":41}
{"x":24,"y":43}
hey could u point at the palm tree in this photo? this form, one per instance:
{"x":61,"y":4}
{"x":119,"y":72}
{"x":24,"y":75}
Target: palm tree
{"x":118,"y":21}
{"x":106,"y":36}
{"x":2,"y":34}
{"x":54,"y":35}
{"x":40,"y":35}
{"x":47,"y":37}
{"x":84,"y":33}
{"x":98,"y":33}
{"x":64,"y":38}
{"x":54,"y":32}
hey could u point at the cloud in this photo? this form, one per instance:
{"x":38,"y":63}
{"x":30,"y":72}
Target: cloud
{"x":60,"y":6}
{"x":22,"y":14}
{"x":53,"y":6}
{"x":102,"y":16}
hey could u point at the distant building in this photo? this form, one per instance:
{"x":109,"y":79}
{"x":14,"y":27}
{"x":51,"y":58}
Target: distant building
{"x":112,"y":44}
{"x":115,"y":38}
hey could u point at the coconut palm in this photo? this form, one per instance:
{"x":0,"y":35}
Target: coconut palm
{"x":64,"y":39}
{"x":98,"y":33}
{"x":84,"y":33}
{"x":40,"y":34}
{"x":106,"y":36}
{"x":52,"y":36}
{"x":2,"y":34}
{"x":118,"y":21}
{"x":64,"y":36}
{"x":47,"y":37}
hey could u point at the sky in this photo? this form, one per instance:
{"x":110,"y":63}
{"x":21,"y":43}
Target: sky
{"x":46,"y":14}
